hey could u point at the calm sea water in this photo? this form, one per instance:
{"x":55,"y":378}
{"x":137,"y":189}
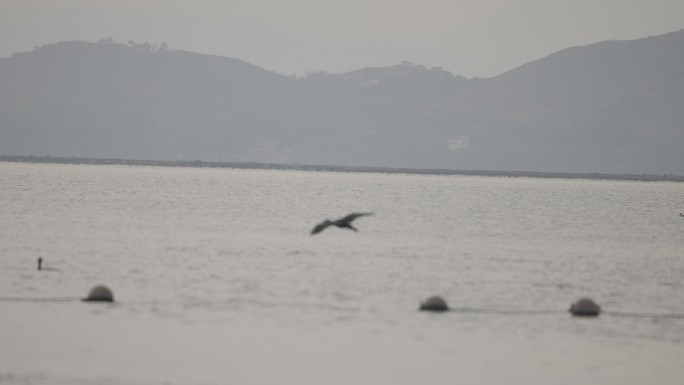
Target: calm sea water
{"x":217,"y":279}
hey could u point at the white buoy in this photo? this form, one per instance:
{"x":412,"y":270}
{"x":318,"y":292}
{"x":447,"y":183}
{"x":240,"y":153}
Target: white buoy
{"x":100,"y":293}
{"x":434,"y":303}
{"x":585,"y":307}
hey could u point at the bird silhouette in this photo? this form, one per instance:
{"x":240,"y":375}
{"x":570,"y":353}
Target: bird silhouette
{"x":43,"y":268}
{"x":342,"y":222}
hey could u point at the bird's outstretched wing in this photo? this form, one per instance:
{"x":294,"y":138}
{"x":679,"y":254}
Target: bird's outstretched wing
{"x":342,"y":222}
{"x":320,"y":227}
{"x":351,"y":217}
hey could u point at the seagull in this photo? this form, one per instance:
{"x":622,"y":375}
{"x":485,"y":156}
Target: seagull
{"x":342,"y":222}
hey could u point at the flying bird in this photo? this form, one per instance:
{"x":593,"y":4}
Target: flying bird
{"x":342,"y":222}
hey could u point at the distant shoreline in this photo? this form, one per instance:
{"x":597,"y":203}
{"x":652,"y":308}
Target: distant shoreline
{"x":363,"y":169}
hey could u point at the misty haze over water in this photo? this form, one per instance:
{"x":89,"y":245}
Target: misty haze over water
{"x":216,"y":276}
{"x":217,"y":279}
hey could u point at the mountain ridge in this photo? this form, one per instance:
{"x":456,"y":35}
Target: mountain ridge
{"x":612,"y":107}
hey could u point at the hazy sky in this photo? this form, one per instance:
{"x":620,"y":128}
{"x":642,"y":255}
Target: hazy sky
{"x":467,"y":37}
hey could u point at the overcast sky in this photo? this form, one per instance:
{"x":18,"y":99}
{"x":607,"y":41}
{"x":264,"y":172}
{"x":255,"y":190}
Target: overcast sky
{"x":467,"y":37}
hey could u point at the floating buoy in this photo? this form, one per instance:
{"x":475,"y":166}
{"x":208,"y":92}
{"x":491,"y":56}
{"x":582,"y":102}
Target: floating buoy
{"x":100,"y":293}
{"x":585,"y":307}
{"x":434,"y":303}
{"x":40,"y":263}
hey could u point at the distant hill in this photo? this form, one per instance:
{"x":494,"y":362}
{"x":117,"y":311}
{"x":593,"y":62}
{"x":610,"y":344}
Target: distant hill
{"x":77,"y":98}
{"x":611,"y":107}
